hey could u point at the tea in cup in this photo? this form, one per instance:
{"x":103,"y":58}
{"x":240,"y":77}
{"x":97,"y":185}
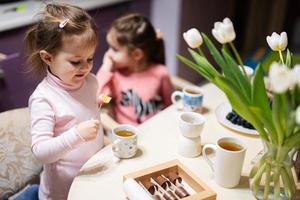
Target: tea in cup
{"x":192,"y":97}
{"x":124,"y":141}
{"x":229,"y":159}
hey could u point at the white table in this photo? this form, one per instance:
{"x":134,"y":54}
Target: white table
{"x":102,"y":178}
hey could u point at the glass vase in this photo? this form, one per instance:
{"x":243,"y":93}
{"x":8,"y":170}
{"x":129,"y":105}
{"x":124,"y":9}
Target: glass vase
{"x":271,"y":177}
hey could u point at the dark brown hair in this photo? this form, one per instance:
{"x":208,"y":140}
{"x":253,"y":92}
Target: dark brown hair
{"x":135,"y":31}
{"x":47,"y":35}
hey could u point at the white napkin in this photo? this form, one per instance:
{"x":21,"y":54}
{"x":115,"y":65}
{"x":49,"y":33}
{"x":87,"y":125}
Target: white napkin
{"x":134,"y":191}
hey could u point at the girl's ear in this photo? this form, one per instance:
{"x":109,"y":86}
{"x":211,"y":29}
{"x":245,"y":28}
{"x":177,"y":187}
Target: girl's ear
{"x":137,"y":54}
{"x":46,"y":57}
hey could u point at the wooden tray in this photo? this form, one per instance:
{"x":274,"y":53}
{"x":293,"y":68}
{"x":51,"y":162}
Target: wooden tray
{"x":202,"y":191}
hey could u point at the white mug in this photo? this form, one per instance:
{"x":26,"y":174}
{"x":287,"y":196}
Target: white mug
{"x":124,"y":141}
{"x":192,"y":97}
{"x":229,"y":159}
{"x":191,"y":124}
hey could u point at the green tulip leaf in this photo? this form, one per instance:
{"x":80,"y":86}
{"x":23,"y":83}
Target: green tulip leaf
{"x":288,"y":60}
{"x":203,"y":62}
{"x":206,"y":74}
{"x":278,"y":111}
{"x":238,"y":76}
{"x":216,"y":55}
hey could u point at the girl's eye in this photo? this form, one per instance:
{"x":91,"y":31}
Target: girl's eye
{"x":75,"y":62}
{"x":90,"y":60}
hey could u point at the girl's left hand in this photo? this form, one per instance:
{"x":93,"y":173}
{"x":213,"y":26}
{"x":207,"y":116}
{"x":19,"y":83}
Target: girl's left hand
{"x":108,"y":64}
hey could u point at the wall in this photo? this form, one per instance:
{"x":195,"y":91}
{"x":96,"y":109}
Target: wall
{"x":165,"y":16}
{"x":174,"y":17}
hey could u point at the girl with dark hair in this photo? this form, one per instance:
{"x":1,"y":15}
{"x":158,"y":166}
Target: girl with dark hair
{"x":133,"y":71}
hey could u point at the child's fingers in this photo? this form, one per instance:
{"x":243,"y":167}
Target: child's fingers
{"x":96,"y":123}
{"x":99,"y":101}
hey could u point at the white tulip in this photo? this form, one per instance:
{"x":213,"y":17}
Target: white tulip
{"x":224,"y":31}
{"x":193,"y":38}
{"x":281,"y":78}
{"x":296,"y":74}
{"x":277,"y":42}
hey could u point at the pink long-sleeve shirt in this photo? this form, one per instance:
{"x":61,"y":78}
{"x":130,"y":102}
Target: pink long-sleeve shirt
{"x":55,"y":110}
{"x":137,"y":96}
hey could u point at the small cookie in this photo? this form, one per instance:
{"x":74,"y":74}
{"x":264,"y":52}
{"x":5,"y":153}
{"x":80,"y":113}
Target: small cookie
{"x":104,"y":98}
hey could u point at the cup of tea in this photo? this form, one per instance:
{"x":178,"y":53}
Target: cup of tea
{"x":124,"y":138}
{"x":191,"y":96}
{"x":191,"y":124}
{"x":229,"y":159}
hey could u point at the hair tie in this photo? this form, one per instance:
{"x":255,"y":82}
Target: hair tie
{"x":159,"y":34}
{"x":63,"y":23}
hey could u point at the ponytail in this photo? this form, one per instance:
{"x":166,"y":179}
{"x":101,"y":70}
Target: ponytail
{"x":159,"y":53}
{"x":34,"y":63}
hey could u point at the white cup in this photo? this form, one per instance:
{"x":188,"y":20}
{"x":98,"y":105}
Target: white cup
{"x":124,"y":141}
{"x":189,"y":147}
{"x":249,"y":70}
{"x":191,"y":124}
{"x":192,"y":97}
{"x":229,"y":159}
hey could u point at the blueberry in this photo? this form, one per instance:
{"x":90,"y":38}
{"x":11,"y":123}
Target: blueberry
{"x":229,"y":116}
{"x":234,"y":119}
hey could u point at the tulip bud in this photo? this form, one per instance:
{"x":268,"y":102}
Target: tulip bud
{"x":193,"y":38}
{"x":224,"y":31}
{"x":277,"y":42}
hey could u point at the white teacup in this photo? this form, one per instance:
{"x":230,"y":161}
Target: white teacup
{"x":191,"y":124}
{"x":229,"y":159}
{"x":124,"y":141}
{"x":192,"y":97}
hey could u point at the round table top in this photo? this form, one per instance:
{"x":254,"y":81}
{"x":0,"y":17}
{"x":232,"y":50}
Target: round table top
{"x":102,"y":175}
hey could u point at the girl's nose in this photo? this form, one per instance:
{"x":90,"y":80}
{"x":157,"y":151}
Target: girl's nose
{"x":86,"y":65}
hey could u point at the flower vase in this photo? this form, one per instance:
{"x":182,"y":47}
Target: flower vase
{"x":271,"y":177}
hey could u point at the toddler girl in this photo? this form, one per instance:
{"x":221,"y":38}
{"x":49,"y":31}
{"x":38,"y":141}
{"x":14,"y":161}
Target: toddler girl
{"x":133,"y":70}
{"x":65,"y":125}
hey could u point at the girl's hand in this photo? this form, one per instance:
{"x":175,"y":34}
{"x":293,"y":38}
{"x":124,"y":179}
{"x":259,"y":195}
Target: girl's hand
{"x":88,"y":129}
{"x":108,"y":64}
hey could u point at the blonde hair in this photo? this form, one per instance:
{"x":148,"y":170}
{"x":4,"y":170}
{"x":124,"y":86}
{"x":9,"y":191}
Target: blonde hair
{"x":48,"y":33}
